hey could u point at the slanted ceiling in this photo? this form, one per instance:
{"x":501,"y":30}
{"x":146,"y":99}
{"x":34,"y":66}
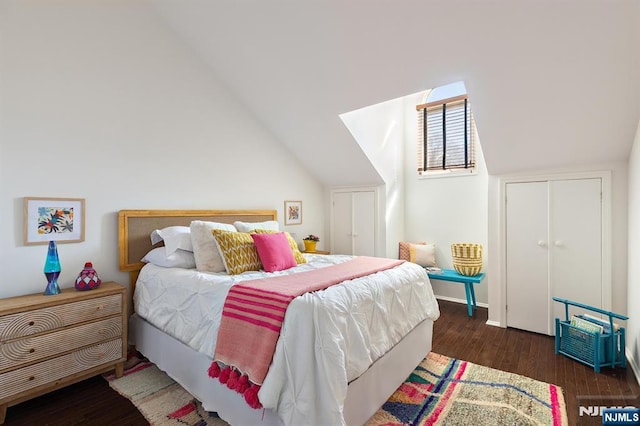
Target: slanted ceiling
{"x":553,"y":83}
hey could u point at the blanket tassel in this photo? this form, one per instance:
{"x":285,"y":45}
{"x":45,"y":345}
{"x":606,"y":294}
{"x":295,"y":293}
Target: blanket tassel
{"x":251,"y":396}
{"x":243,"y":384}
{"x":214,"y":370}
{"x":232,"y":381}
{"x":235,"y":381}
{"x":224,"y":375}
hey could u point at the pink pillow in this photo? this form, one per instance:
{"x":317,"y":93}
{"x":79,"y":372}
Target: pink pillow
{"x":274,"y":251}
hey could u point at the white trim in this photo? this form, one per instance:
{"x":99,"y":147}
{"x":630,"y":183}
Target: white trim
{"x":379,"y":226}
{"x":494,"y":323}
{"x":605,"y":176}
{"x":633,"y":364}
{"x":437,"y":174}
{"x":461,"y":301}
{"x":607,"y":244}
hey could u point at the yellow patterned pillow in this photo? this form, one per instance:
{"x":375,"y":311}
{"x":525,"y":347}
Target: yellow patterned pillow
{"x":238,"y":251}
{"x":297,"y":255}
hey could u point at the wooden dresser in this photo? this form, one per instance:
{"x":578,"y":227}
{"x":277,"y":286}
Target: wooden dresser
{"x":47,"y":342}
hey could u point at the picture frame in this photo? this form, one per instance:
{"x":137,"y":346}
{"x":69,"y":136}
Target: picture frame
{"x":53,"y":219}
{"x":293,"y":212}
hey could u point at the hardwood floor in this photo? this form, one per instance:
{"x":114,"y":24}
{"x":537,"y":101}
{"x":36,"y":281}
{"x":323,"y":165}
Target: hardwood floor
{"x":533,"y":355}
{"x":92,"y":402}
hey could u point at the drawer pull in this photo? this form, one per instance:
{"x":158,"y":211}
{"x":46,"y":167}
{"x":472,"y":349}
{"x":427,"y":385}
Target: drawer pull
{"x":31,"y":378}
{"x":32,"y":350}
{"x":31,"y":322}
{"x":100,"y":307}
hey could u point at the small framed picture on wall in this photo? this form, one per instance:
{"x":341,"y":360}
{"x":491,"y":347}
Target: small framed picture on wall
{"x":53,"y":219}
{"x":292,"y":212}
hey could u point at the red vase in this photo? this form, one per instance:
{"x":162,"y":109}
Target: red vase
{"x":88,"y":278}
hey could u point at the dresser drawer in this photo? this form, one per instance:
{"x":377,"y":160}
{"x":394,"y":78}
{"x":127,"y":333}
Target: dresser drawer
{"x":17,"y":352}
{"x":51,"y":318}
{"x":47,"y":372}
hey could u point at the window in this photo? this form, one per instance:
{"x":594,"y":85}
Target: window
{"x":446,"y":135}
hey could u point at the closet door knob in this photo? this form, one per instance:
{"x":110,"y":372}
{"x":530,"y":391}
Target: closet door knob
{"x":542,"y":243}
{"x":559,"y":243}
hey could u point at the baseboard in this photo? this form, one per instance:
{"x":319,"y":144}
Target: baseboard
{"x":494,"y":323}
{"x":463,"y":301}
{"x":633,"y":364}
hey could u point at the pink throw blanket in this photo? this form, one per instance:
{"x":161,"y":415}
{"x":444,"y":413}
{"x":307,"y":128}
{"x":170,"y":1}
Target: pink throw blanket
{"x":254,"y":310}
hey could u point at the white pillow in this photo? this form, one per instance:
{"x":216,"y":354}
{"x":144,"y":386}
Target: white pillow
{"x":423,"y":254}
{"x":269,"y":225}
{"x":174,"y":237}
{"x":204,"y":245}
{"x":178,"y":259}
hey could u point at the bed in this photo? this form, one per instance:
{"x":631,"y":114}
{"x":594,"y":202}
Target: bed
{"x":310,"y":381}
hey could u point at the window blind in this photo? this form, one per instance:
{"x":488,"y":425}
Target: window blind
{"x":446,"y":135}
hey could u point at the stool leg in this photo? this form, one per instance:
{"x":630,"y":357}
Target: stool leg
{"x":468,"y":292}
{"x":473,"y":296}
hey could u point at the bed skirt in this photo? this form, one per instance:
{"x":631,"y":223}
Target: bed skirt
{"x":364,"y":395}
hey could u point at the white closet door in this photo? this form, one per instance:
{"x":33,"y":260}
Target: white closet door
{"x":527,"y":248}
{"x":554,"y":248}
{"x":364,"y":223}
{"x":342,"y":220}
{"x":576,"y":241}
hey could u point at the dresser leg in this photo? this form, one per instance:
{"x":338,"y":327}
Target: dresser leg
{"x":119,"y":369}
{"x":3,"y":413}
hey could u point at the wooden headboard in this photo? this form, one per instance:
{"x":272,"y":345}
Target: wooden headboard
{"x":135,"y":227}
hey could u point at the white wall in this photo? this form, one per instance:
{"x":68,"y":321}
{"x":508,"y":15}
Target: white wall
{"x":99,"y":100}
{"x":633,"y":284}
{"x":618,"y":236}
{"x":438,"y":210}
{"x":445,"y":210}
{"x":379,"y":130}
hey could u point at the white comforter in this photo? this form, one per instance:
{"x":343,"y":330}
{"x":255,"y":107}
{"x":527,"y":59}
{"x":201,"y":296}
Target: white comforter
{"x":328,"y":338}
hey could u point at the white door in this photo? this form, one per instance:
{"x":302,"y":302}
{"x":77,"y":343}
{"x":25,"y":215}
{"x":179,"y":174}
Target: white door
{"x":342,"y":221}
{"x":554,"y":248}
{"x":576,"y":242}
{"x":353,"y":223}
{"x":364,"y":223}
{"x":527,"y":249}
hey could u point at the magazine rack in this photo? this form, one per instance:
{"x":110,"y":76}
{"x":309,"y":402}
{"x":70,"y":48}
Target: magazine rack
{"x":594,"y":348}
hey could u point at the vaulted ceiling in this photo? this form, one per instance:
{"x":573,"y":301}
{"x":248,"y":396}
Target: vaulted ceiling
{"x":553,"y":83}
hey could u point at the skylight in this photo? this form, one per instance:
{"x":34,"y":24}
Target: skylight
{"x":447,"y":91}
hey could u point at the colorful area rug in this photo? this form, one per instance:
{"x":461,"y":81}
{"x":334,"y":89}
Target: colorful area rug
{"x":448,"y":391}
{"x":161,"y":401}
{"x":440,"y":391}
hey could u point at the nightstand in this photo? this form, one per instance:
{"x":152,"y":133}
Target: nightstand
{"x":48,"y":342}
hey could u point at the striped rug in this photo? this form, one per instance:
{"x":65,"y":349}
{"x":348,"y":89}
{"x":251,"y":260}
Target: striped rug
{"x":161,"y":401}
{"x":448,"y":391}
{"x":440,"y":391}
